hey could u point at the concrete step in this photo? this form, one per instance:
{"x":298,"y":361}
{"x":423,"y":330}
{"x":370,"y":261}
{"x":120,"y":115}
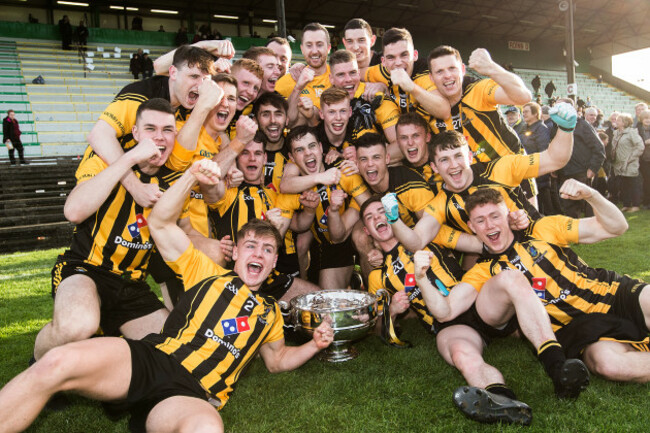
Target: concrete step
{"x":18,"y":106}
{"x":61,"y":137}
{"x":67,"y":106}
{"x":67,"y":89}
{"x":63,"y":126}
{"x":66,"y":116}
{"x":35,"y":237}
{"x":105,"y":98}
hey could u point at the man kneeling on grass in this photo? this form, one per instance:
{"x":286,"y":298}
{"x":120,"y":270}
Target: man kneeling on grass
{"x":171,"y":381}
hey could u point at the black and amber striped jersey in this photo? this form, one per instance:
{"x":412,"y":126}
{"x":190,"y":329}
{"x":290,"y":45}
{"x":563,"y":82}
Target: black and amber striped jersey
{"x":478,"y":118}
{"x":231,"y":130}
{"x":285,"y":85}
{"x":564,"y":283}
{"x":276,"y":160}
{"x":218,"y":324}
{"x":413,"y":193}
{"x":398,"y":273}
{"x":246,"y":202}
{"x":374,"y":116}
{"x":433,"y":179}
{"x":116,"y":237}
{"x":405,"y":101}
{"x":503,"y":174}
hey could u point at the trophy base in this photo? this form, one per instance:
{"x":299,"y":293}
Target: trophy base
{"x":338,"y":352}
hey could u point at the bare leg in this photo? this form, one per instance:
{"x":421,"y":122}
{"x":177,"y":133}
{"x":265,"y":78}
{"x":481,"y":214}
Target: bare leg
{"x":99,"y":368}
{"x":335,"y":278}
{"x":462,"y":347}
{"x":644,"y":301}
{"x":618,"y":361}
{"x":138,"y":328}
{"x":363,"y":244}
{"x":299,"y":287}
{"x":75,"y":317}
{"x":184,"y":414}
{"x":303,"y":241}
{"x":508,"y":293}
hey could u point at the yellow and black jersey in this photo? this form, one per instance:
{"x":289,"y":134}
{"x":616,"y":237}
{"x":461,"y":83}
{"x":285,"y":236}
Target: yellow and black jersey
{"x":478,"y":118}
{"x":404,"y":101}
{"x":413,"y":193}
{"x":116,"y":237}
{"x":353,"y":187}
{"x":284,"y":86}
{"x":276,"y":160}
{"x":565,"y":284}
{"x":322,"y":138}
{"x":503,"y":174}
{"x":231,"y":130}
{"x":373,"y":116}
{"x":433,"y":179}
{"x":398,"y":273}
{"x":240,"y":205}
{"x":218,"y":325}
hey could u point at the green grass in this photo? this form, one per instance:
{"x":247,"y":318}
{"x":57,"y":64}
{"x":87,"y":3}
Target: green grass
{"x":384,"y":390}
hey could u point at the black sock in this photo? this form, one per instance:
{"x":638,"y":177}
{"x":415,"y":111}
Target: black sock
{"x":551,"y":356}
{"x":501,"y":389}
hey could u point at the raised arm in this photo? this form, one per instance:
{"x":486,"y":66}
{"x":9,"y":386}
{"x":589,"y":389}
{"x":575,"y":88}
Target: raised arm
{"x":210,"y":95}
{"x":512,"y":90}
{"x":294,"y":183}
{"x":560,"y":148}
{"x":608,"y":221}
{"x":218,"y":48}
{"x":431,"y":100}
{"x":170,"y":239}
{"x":88,"y":196}
{"x":340,"y":225}
{"x":293,"y":100}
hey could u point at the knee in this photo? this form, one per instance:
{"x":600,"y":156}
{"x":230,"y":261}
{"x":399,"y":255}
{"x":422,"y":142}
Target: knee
{"x":203,"y":423}
{"x":55,"y":366}
{"x":513,"y":282}
{"x":75,"y":328}
{"x":465,"y":361}
{"x":607,"y":368}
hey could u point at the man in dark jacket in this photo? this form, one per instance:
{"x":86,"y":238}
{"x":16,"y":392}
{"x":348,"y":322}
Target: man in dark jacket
{"x":537,"y":83}
{"x":587,"y":158}
{"x":549,"y":89}
{"x":66,"y":32}
{"x":11,"y":137}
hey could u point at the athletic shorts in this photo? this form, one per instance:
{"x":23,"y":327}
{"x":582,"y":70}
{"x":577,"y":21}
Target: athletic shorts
{"x":472,"y":319}
{"x":155,"y":376}
{"x":122,"y":300}
{"x":329,"y":256}
{"x":288,"y":264}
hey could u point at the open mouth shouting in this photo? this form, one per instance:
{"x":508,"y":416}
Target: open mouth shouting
{"x":372,"y":176}
{"x":192,"y":97}
{"x":310,"y":164}
{"x":222,"y":115}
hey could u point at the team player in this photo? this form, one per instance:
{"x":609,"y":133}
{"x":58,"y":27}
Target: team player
{"x":451,"y":159}
{"x":268,"y":61}
{"x":597,"y":314}
{"x":282,"y":50}
{"x":100,"y":280}
{"x":359,"y":39}
{"x":249,"y":75}
{"x":413,"y":137}
{"x":173,"y":381}
{"x":112,"y":135}
{"x":304,"y":92}
{"x":271,"y":115}
{"x":409,"y":87}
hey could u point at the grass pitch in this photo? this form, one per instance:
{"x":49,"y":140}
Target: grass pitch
{"x":383,"y":390}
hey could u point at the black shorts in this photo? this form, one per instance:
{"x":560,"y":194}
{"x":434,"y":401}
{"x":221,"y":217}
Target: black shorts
{"x":155,"y":376}
{"x":472,"y":319}
{"x":122,"y":300}
{"x":626,"y":301}
{"x":328,"y":255}
{"x":288,"y":264}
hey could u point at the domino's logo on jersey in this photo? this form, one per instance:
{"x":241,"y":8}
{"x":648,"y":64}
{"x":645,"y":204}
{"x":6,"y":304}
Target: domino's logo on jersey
{"x":539,"y":286}
{"x":134,"y":229}
{"x":409,"y":282}
{"x":235,"y":326}
{"x":323,"y":219}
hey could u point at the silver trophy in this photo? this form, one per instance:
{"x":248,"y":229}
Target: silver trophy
{"x":351,"y":313}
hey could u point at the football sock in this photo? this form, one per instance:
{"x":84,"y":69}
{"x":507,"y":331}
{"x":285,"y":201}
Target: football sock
{"x":551,"y":356}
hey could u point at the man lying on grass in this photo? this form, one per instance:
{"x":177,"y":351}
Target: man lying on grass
{"x":469,"y":322}
{"x":597,"y":314}
{"x":172,"y":381}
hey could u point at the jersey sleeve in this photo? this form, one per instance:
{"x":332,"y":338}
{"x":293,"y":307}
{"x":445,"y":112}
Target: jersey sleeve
{"x":194,"y":266}
{"x":89,"y":168}
{"x":387,"y":113}
{"x":557,"y":229}
{"x":511,"y":170}
{"x":277,"y":328}
{"x":478,"y":275}
{"x":375,"y":281}
{"x":180,"y":158}
{"x":284,"y":86}
{"x":376,"y":74}
{"x":228,"y":198}
{"x":482,"y":95}
{"x":425,"y":82}
{"x":287,"y":203}
{"x":353,"y":185}
{"x":120,"y":113}
{"x":447,"y":237}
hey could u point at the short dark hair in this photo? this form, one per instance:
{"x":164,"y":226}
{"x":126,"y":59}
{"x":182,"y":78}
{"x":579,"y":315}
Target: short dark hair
{"x":482,"y":196}
{"x":278,"y":40}
{"x":9,"y":111}
{"x":332,"y":95}
{"x":370,"y":139}
{"x":342,"y":56}
{"x":357,"y":23}
{"x":412,"y":118}
{"x":224,"y":78}
{"x":297,"y":133}
{"x":314,"y":27}
{"x":373,"y":199}
{"x":395,"y":35}
{"x":443,"y":50}
{"x":193,"y":56}
{"x":260,"y":228}
{"x":270,"y":98}
{"x":444,"y":141}
{"x":154,"y":104}
{"x":254,"y":53}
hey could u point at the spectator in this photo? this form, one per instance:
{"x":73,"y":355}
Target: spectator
{"x":11,"y":137}
{"x":81,"y":35}
{"x":546,"y":118}
{"x":32,"y":19}
{"x":587,"y":158}
{"x":255,"y":34}
{"x":135,"y":66}
{"x":161,"y":29}
{"x":603,"y":176}
{"x":549,"y":89}
{"x":610,"y":125}
{"x":638,"y":109}
{"x":627,"y":148}
{"x":644,"y":132}
{"x":146,"y":66}
{"x":514,"y":120}
{"x":537,"y":83}
{"x":591,"y":113}
{"x":66,"y":32}
{"x":599,"y":118}
{"x":181,"y":37}
{"x":535,"y":138}
{"x":599,"y":80}
{"x":136,"y":23}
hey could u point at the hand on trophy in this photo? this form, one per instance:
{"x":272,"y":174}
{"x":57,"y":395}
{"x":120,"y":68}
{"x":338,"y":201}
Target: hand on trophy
{"x":323,"y":335}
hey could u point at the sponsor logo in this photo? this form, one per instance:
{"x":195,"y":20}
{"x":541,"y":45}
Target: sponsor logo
{"x":196,"y":195}
{"x":204,"y":153}
{"x":134,"y":228}
{"x":564,"y":293}
{"x":133,"y":245}
{"x":539,"y":286}
{"x":409,"y":282}
{"x":209,"y":333}
{"x":235,"y":326}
